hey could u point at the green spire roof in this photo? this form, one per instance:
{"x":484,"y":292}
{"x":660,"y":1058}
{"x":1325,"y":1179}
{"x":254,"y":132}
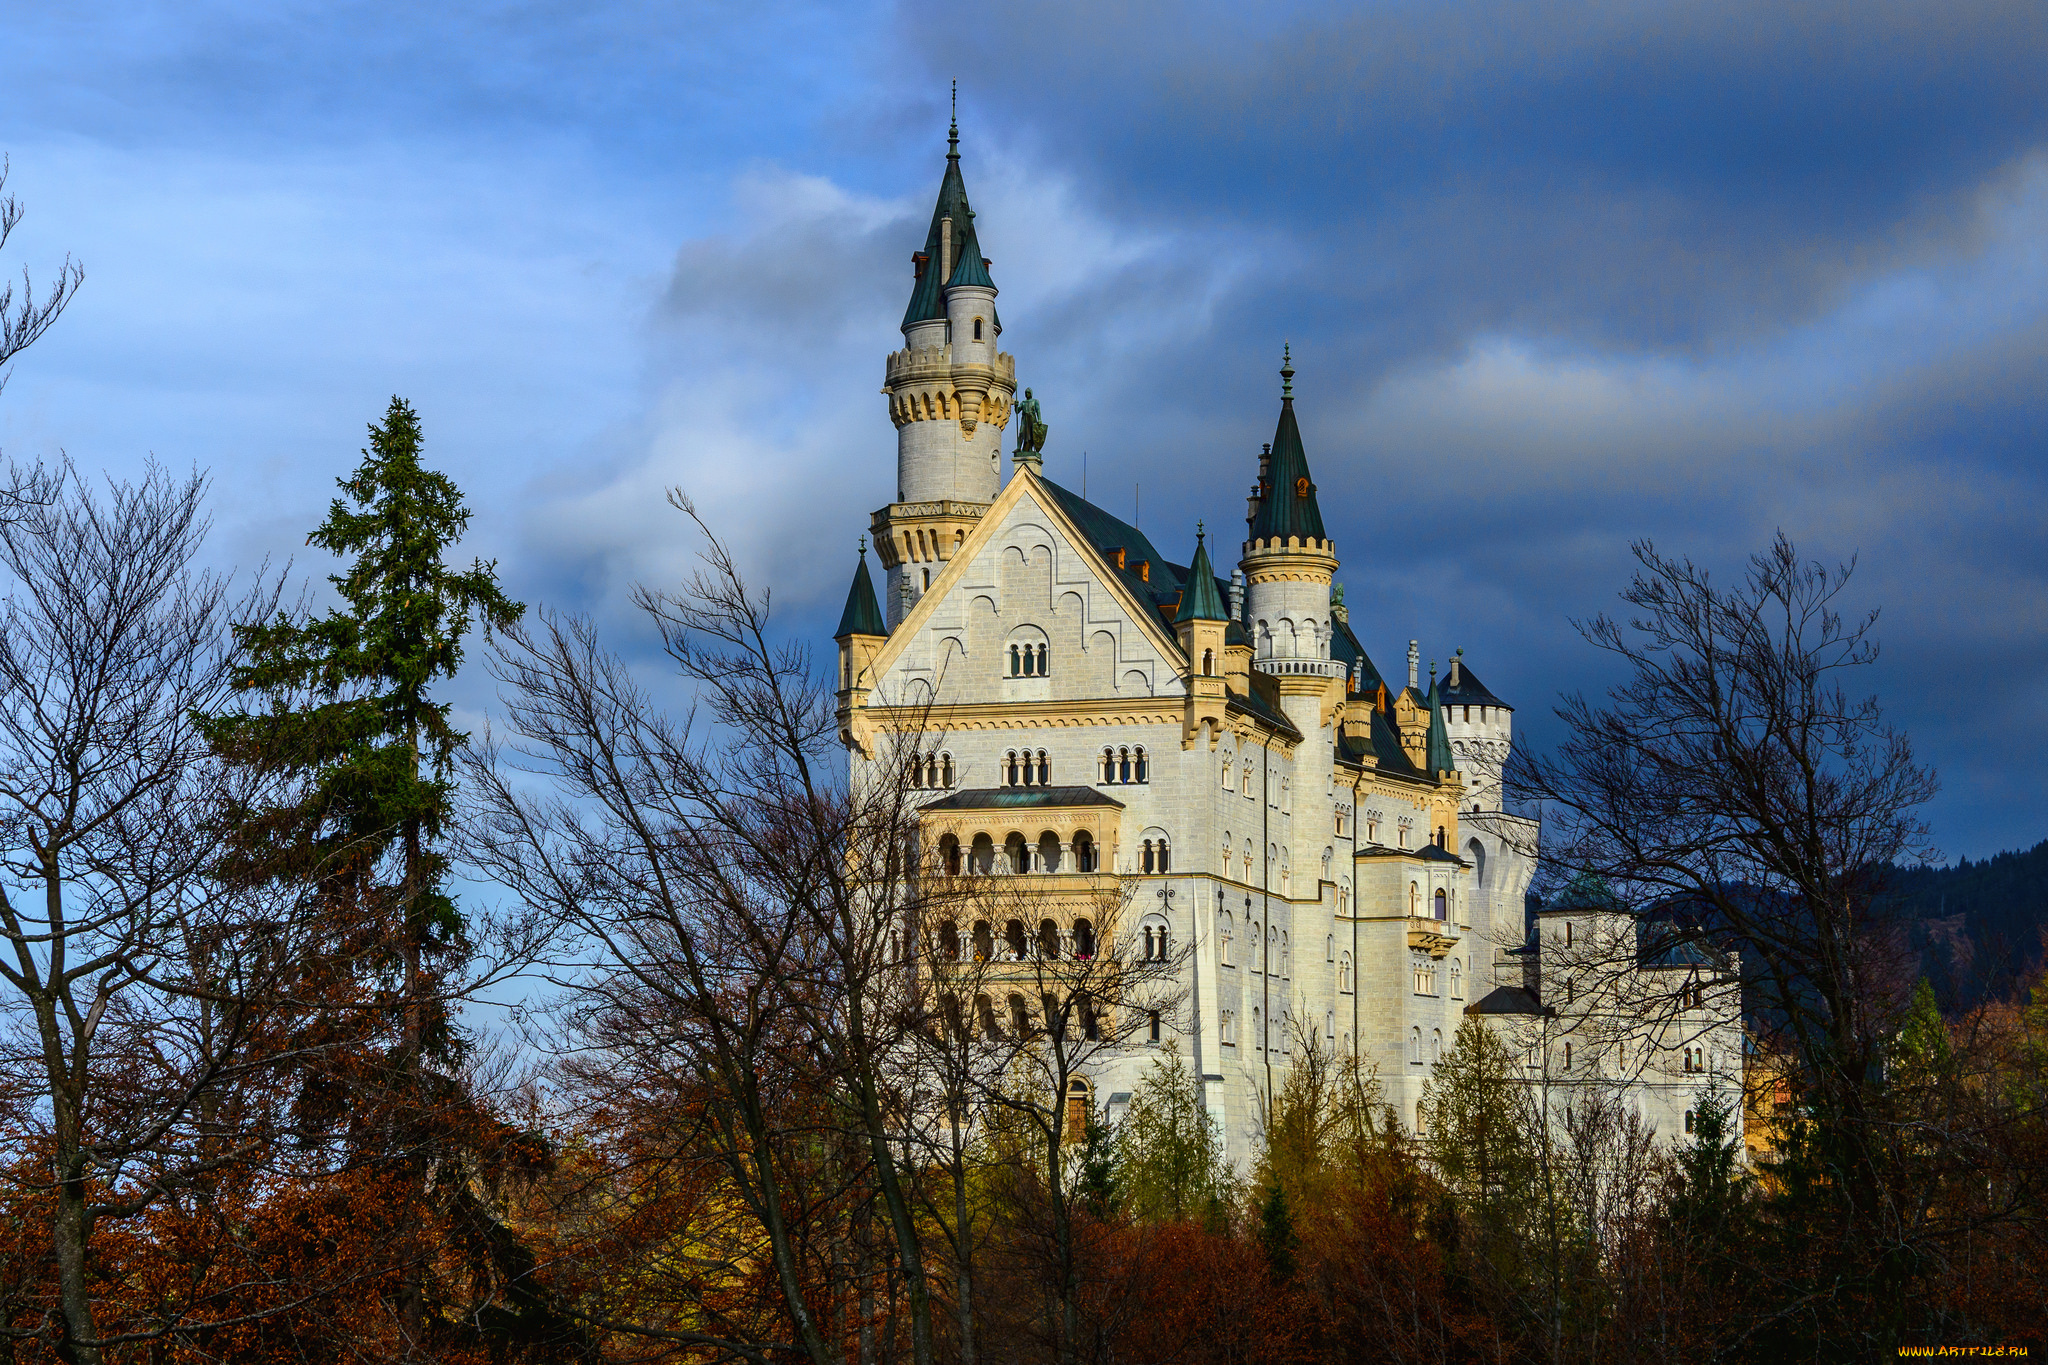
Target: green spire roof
{"x":928,"y":296}
{"x":1201,"y":601}
{"x":968,"y":266}
{"x":1287,"y":496}
{"x":1441,"y":759}
{"x":863,"y":615}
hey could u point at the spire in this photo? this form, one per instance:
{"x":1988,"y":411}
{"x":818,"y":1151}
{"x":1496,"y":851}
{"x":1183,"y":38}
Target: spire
{"x":1200,"y":601}
{"x":969,"y":268}
{"x":1287,"y":496}
{"x":863,"y":615}
{"x":953,"y":128}
{"x":1440,"y":757}
{"x":928,"y":295}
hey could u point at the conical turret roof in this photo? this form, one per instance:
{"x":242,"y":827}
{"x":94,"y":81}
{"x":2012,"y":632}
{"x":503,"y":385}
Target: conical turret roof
{"x":928,"y":295}
{"x":1201,"y":601}
{"x":1441,"y":759}
{"x":1287,"y":495}
{"x":863,"y":614}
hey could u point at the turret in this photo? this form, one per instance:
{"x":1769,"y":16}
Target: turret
{"x":1480,"y":728}
{"x":1288,"y":558}
{"x":1202,"y":624}
{"x":949,"y":392}
{"x":1288,"y":562}
{"x":860,"y":635}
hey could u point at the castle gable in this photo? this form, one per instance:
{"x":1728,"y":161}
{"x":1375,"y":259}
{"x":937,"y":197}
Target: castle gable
{"x":1028,"y":610}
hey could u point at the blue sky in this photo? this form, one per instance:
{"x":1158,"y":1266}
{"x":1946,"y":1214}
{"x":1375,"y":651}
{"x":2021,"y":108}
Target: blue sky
{"x":1556,"y":277}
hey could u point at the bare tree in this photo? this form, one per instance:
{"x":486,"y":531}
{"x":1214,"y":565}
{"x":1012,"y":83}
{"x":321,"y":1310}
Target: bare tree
{"x":23,"y":321}
{"x":735,"y":902}
{"x":1732,"y":792}
{"x":132,"y":977}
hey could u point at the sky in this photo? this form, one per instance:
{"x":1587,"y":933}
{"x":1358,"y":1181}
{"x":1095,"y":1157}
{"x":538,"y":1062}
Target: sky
{"x":1557,"y":279}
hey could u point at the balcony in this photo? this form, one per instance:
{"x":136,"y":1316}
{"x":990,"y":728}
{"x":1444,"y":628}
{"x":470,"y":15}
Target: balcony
{"x":1299,"y":668}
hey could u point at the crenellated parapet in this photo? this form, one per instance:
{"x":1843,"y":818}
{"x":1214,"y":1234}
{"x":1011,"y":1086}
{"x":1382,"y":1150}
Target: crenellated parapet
{"x":929,"y":383}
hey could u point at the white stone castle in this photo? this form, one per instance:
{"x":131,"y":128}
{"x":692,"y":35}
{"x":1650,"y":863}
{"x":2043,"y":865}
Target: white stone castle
{"x":1324,"y":845}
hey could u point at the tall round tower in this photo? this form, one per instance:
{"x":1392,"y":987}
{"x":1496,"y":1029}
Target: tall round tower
{"x":949,"y":392}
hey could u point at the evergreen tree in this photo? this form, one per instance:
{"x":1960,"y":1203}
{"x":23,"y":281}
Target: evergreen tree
{"x":1276,"y":1234}
{"x":350,"y":714}
{"x":1096,"y":1176}
{"x":1476,"y":1127}
{"x":1169,"y":1155}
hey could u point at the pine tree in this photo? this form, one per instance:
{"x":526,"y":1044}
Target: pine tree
{"x":1169,"y":1154}
{"x":350,"y":714}
{"x":1475,"y":1121}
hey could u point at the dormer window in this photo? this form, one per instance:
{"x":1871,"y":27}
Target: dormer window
{"x":1300,"y":485}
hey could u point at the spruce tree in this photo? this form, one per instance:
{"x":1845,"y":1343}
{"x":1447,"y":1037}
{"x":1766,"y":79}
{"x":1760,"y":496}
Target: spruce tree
{"x":350,"y":712}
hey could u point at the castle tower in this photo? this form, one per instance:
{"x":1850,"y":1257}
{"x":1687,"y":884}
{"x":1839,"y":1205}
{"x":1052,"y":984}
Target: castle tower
{"x":1288,"y":562}
{"x":1202,"y":625}
{"x":1480,"y":727}
{"x":949,"y":392}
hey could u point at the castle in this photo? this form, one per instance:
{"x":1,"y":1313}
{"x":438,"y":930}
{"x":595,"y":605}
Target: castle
{"x":1324,"y":844}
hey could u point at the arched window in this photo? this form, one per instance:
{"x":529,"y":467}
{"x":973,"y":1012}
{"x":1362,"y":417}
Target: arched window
{"x":1436,"y":1045}
{"x":1020,"y":1016}
{"x":1016,"y":854}
{"x":946,"y":770}
{"x":1227,"y":1025}
{"x":1084,"y":851}
{"x":1567,"y":1056}
{"x":984,"y":941}
{"x":1152,"y":1020}
{"x":1329,"y":947}
{"x":1016,"y":662}
{"x":1330,"y":1030}
{"x":1011,"y":776}
{"x":1272,"y":950}
{"x":1123,"y":769}
{"x":1415,"y":1046}
{"x":1138,"y":766}
{"x":1286,"y":872}
{"x":983,"y":857}
{"x":1286,"y":957}
{"x":1689,"y":1121}
{"x":1227,"y":765}
{"x":949,"y":854}
{"x":1048,"y":852}
{"x":1013,"y":938}
{"x":1148,"y":943}
{"x":1208,"y":663}
{"x":1084,"y":940}
{"x":1048,"y":940}
{"x":977,"y":329}
{"x":985,"y":1017}
{"x":1091,"y":1025}
{"x":949,"y":941}
{"x":1414,"y":901}
{"x":1441,"y":912}
{"x":1344,"y":973}
{"x":1223,"y":937}
{"x":1258,"y":1029}
{"x":1247,"y":777}
{"x":1344,"y":896}
{"x":1077,"y":1111}
{"x":1457,"y":982}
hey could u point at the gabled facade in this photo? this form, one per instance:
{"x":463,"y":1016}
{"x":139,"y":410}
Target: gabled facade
{"x":1327,"y":843}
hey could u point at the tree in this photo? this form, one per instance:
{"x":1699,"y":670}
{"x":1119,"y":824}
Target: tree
{"x":23,"y":322}
{"x":737,"y":904}
{"x":1733,"y":787}
{"x":1169,"y":1154}
{"x":135,"y":1049}
{"x":348,"y":726}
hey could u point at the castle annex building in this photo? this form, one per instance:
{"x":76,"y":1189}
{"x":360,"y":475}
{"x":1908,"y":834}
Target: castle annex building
{"x":1323,"y":843}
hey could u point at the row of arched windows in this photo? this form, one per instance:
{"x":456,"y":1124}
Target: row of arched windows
{"x":1018,"y":1019}
{"x":1028,"y":660}
{"x":1026,"y":768}
{"x":1049,"y":854}
{"x":1416,"y":1056}
{"x":1123,"y":764}
{"x":1155,"y":943}
{"x":1155,"y":856}
{"x":1015,"y":944}
{"x":931,"y":772}
{"x":1695,"y":1059}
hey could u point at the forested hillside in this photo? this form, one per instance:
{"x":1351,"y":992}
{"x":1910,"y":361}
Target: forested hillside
{"x":1979,"y":926}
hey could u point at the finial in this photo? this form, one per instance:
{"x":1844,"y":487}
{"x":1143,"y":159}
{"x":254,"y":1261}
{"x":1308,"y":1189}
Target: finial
{"x":953,"y":132}
{"x":1198,"y":533}
{"x":863,"y":547}
{"x":1286,"y":370}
